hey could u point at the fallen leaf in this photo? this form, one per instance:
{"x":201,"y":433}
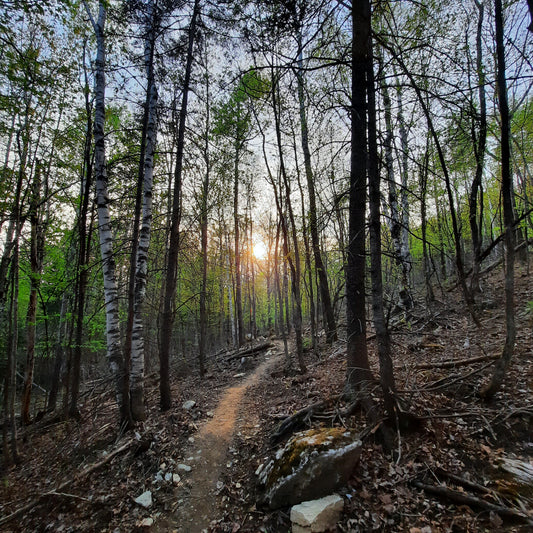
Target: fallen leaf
{"x":385,"y":499}
{"x":364,"y":494}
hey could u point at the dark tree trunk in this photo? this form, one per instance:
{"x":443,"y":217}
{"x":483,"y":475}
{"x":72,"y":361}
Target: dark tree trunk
{"x":327,"y":307}
{"x":423,"y":179}
{"x":358,"y":368}
{"x":83,"y":251}
{"x":386,"y":371}
{"x":508,"y":214}
{"x":294,"y":262}
{"x":36,"y":262}
{"x":167,"y":318}
{"x":480,"y":141}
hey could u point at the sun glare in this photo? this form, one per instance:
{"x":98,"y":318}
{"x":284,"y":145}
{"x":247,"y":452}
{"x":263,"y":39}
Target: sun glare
{"x":260,"y":250}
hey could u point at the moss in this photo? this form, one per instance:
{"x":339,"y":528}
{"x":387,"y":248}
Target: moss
{"x":304,"y":444}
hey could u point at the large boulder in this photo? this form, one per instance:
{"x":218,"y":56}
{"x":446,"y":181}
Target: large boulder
{"x":311,"y":465}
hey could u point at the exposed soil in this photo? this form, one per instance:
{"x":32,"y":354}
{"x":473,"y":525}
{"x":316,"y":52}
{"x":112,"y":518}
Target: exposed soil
{"x":207,"y":454}
{"x":226,"y":437}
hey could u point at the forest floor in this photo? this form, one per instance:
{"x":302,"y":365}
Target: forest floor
{"x":83,"y":476}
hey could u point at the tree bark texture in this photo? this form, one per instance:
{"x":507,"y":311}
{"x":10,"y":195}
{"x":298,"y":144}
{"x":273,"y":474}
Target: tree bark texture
{"x":114,"y":348}
{"x":146,"y":183}
{"x":358,"y":368}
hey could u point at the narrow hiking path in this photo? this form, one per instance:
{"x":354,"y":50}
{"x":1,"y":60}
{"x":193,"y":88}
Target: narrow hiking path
{"x":208,"y":455}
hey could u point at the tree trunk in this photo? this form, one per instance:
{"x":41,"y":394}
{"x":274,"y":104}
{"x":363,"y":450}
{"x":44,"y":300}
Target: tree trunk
{"x":139,"y":257}
{"x":400,"y":253}
{"x":167,"y":319}
{"x":404,"y":200}
{"x":204,"y":219}
{"x":281,"y":299}
{"x":508,"y":214}
{"x":10,"y":382}
{"x":114,"y":349}
{"x":479,"y":153}
{"x":36,"y":262}
{"x":294,"y":263}
{"x":423,"y":179}
{"x":451,"y":202}
{"x":83,"y":258}
{"x":58,"y":355}
{"x":308,"y":265}
{"x":386,"y":370}
{"x":237,"y":250}
{"x":327,"y":307}
{"x":359,"y":375}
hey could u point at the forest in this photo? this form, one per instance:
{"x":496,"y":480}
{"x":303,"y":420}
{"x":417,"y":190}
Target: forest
{"x":225,"y":224}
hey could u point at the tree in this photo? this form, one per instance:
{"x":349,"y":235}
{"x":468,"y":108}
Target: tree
{"x":323,"y":284}
{"x":167,"y":318}
{"x":114,"y":348}
{"x":134,"y":344}
{"x":359,"y":376}
{"x":37,"y":234}
{"x":508,"y":212}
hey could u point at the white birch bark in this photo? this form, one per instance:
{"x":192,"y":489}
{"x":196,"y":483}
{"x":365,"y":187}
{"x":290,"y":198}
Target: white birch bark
{"x":114,"y":353}
{"x":137,"y":340}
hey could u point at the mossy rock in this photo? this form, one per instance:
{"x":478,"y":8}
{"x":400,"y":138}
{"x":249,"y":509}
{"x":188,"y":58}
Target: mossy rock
{"x":311,"y":465}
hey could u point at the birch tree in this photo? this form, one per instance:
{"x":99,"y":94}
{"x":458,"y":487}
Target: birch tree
{"x":114,"y":348}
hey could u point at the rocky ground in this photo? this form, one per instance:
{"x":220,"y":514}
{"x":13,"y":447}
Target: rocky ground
{"x":198,"y":463}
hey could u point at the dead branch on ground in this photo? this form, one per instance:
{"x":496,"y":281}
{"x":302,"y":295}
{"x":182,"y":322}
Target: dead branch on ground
{"x":58,"y":491}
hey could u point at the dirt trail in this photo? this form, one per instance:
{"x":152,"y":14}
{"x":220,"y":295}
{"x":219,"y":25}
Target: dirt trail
{"x":208,"y":455}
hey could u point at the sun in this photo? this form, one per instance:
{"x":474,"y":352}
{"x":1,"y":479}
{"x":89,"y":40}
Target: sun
{"x":260,"y":250}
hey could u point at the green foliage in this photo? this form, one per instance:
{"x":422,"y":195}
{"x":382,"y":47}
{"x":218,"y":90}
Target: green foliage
{"x":233,"y":117}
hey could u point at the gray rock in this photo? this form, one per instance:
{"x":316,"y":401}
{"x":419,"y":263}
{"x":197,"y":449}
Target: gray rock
{"x":317,"y":515}
{"x":188,"y":405}
{"x":147,"y":522}
{"x":312,"y":465}
{"x":145,"y":499}
{"x":184,"y":468}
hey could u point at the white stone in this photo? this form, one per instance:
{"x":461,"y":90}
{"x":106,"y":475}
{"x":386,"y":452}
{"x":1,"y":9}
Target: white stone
{"x":317,"y":515}
{"x":145,"y":499}
{"x":176,"y":479}
{"x":184,"y":468}
{"x":188,"y":405}
{"x":168,"y":476}
{"x":147,"y":522}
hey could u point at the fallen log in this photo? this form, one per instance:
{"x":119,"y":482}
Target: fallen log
{"x":462,"y":498}
{"x":249,"y":352}
{"x":58,"y":491}
{"x":300,"y":418}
